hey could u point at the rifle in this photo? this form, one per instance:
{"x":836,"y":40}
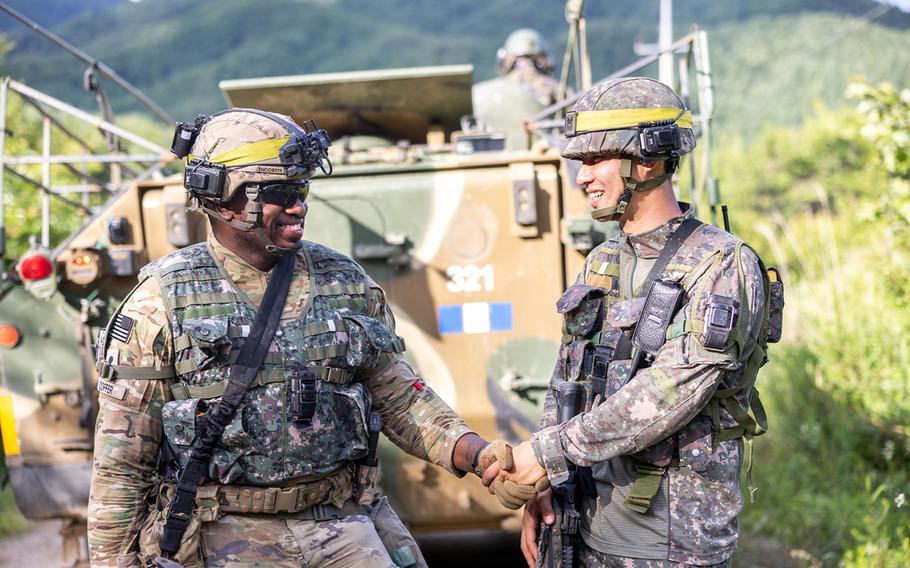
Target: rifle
{"x":557,"y":545}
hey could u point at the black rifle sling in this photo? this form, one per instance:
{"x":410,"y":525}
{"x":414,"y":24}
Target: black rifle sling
{"x":220,"y":414}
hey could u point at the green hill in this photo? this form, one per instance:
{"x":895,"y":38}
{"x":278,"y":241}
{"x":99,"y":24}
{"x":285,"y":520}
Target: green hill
{"x":777,"y":57}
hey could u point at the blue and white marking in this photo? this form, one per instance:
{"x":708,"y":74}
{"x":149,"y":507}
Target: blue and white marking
{"x":475,"y":317}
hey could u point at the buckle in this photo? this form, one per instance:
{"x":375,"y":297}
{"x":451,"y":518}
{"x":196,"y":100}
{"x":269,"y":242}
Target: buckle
{"x":571,"y":117}
{"x":286,"y":500}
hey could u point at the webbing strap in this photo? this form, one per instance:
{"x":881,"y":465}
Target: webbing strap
{"x":325,"y":326}
{"x":192,"y":276}
{"x":204,"y":298}
{"x":645,"y":487}
{"x":337,"y":289}
{"x":680,"y":328}
{"x":604,"y":268}
{"x":333,"y":375}
{"x":220,"y":414}
{"x":108,"y":371}
{"x":183,"y":391}
{"x":187,"y":366}
{"x":326,"y":351}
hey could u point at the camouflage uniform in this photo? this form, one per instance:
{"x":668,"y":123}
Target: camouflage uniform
{"x":675,"y":418}
{"x":526,"y":75}
{"x":183,"y":323}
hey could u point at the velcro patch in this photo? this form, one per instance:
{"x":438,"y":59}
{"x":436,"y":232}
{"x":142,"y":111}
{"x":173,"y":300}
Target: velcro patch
{"x":111,"y":389}
{"x":122,"y":328}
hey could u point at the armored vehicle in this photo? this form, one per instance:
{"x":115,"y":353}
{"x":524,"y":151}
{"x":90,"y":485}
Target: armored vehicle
{"x":473,"y":233}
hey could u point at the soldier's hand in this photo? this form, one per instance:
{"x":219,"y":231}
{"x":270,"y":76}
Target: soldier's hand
{"x":527,"y":470}
{"x":497,"y":452}
{"x":513,"y":495}
{"x":535,"y":510}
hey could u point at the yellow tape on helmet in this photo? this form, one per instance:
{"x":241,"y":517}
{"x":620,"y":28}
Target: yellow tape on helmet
{"x":591,"y":120}
{"x":249,"y":153}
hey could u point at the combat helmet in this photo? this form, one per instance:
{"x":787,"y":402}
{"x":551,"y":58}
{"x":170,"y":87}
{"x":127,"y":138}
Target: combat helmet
{"x":633,"y":118}
{"x":250,"y":149}
{"x":528,"y":43}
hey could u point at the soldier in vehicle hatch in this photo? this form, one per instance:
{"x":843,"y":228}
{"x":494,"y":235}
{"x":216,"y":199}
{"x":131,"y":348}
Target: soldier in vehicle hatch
{"x":525,"y":60}
{"x":524,"y":87}
{"x":209,"y":453}
{"x":653,"y":393}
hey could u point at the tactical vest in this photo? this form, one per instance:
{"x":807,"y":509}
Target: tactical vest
{"x":334,"y":338}
{"x":598,"y":325}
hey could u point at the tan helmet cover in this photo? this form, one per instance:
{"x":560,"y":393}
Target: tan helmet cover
{"x":524,"y":42}
{"x":620,"y":94}
{"x":237,"y":128}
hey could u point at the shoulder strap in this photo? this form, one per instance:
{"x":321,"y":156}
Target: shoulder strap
{"x":222,"y":412}
{"x":676,"y":240}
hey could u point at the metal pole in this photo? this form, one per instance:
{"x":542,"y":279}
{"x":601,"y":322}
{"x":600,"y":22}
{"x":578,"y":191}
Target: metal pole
{"x":89,"y":60}
{"x":584,"y":60}
{"x":706,"y":111}
{"x":84,"y":116}
{"x":664,"y":39}
{"x":46,"y":182}
{"x":47,"y":190}
{"x":3,"y":95}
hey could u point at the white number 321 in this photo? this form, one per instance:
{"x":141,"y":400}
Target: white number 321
{"x":470,"y":278}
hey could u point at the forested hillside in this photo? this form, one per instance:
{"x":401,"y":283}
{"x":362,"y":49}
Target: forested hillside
{"x":772,"y":60}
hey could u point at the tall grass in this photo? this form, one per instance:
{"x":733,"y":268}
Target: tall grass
{"x":834,"y":470}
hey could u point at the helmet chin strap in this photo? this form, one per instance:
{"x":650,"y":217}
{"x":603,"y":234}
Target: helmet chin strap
{"x":253,"y":222}
{"x":631,"y":184}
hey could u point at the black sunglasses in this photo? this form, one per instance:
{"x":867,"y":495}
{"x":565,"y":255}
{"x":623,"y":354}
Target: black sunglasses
{"x":284,"y":194}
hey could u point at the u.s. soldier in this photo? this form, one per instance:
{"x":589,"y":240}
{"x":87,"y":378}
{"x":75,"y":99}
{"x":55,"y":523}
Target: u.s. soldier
{"x":282,"y":489}
{"x":661,"y":431}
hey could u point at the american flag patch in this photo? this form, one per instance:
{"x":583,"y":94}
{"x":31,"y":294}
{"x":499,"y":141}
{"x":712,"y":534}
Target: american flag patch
{"x":122,"y":328}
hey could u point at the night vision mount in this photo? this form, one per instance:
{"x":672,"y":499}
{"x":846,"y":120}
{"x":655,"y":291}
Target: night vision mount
{"x":659,"y":140}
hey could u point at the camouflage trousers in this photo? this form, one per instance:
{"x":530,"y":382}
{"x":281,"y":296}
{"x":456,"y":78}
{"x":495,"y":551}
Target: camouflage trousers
{"x":238,"y":541}
{"x":590,"y":558}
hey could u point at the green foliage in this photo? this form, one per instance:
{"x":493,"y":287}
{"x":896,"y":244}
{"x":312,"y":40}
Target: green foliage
{"x":887,"y":113}
{"x":11,"y":520}
{"x":833,"y":471}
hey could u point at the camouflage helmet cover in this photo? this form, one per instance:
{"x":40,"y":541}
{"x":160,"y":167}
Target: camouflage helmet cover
{"x":234,"y":129}
{"x":525,"y":42}
{"x":621,"y":94}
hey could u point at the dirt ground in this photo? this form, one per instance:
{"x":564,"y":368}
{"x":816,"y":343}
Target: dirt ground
{"x":38,"y":547}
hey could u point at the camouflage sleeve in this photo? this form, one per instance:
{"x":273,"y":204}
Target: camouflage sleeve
{"x":661,"y":399}
{"x":548,"y":416}
{"x":414,"y":417}
{"x":128,"y":431}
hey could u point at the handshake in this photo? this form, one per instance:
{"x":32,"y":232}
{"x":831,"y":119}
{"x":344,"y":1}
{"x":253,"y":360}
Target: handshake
{"x":512,"y":474}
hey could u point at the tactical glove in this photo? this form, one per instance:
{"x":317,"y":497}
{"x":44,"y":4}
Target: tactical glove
{"x":513,"y":496}
{"x":496,"y":451}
